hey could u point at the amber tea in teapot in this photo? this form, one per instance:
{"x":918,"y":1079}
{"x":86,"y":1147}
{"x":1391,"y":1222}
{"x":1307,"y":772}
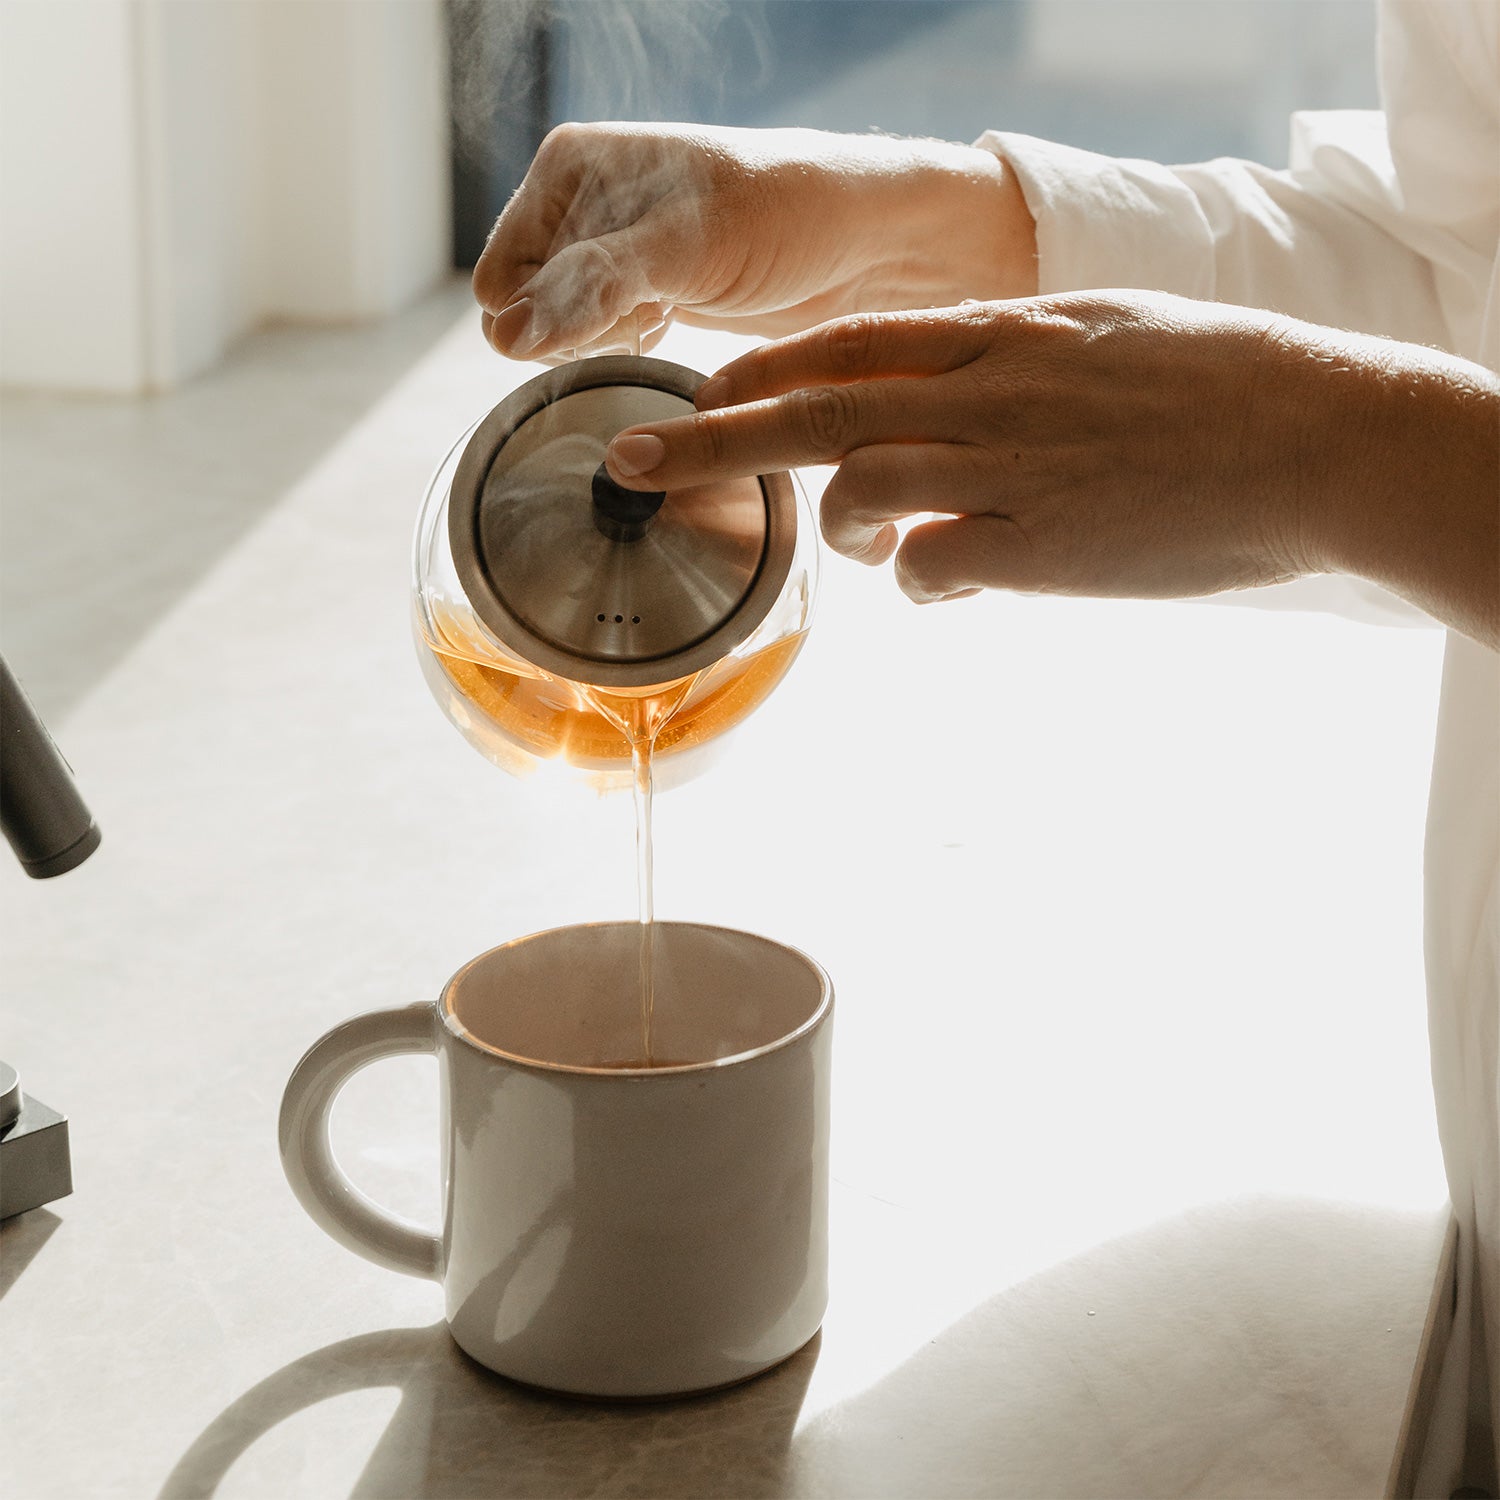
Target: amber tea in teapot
{"x":562,"y":618}
{"x":511,"y":712}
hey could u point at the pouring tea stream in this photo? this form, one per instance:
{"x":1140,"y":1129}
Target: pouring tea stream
{"x":562,"y":618}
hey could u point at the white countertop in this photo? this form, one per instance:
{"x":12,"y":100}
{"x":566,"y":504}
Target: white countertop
{"x":1136,"y":1185}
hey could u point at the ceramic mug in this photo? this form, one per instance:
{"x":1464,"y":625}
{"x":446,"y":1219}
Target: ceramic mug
{"x":609,"y":1229}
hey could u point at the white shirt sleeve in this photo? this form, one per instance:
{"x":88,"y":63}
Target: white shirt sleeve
{"x":1385,"y":221}
{"x":1232,"y":231}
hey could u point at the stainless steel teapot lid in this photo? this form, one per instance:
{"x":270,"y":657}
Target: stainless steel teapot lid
{"x":593,"y":582}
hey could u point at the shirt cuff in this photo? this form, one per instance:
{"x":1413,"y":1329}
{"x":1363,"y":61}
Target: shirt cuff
{"x":1105,"y":221}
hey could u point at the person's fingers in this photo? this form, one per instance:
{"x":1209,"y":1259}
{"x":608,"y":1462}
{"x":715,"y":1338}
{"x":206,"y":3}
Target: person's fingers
{"x":512,"y":255}
{"x":952,"y":559}
{"x":581,"y":293}
{"x":639,"y":330}
{"x":500,"y":332}
{"x":603,"y":228}
{"x":577,"y":299}
{"x":527,"y":231}
{"x":652,"y":332}
{"x":814,"y":426}
{"x":887,"y":482}
{"x":868,"y":346}
{"x":516,"y":250}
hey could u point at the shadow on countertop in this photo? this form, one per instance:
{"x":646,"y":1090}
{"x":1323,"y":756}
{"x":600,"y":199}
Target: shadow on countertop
{"x":461,"y":1431}
{"x":116,"y":507}
{"x":20,"y":1239}
{"x":1262,"y":1346}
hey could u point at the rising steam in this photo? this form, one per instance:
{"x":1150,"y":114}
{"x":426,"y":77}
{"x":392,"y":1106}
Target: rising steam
{"x":524,"y":64}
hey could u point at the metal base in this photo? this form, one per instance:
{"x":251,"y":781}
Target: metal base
{"x":35,"y":1164}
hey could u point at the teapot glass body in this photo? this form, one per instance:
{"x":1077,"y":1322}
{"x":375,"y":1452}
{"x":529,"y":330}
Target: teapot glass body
{"x":524,"y":716}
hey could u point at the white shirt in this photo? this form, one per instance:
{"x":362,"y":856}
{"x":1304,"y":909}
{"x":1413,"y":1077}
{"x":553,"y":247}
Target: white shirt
{"x":1386,"y":222}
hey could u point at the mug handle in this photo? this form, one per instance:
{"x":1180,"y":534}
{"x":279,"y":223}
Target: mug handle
{"x":335,"y":1204}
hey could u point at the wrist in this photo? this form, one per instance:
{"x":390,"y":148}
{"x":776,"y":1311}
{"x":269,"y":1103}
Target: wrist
{"x":951,"y":224}
{"x":1393,"y":462}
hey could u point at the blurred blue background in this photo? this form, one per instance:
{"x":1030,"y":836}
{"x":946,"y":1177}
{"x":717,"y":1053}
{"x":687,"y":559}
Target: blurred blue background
{"x":1171,"y":80}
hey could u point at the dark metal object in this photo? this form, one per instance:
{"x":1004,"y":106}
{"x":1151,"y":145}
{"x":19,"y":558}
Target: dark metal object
{"x":593,"y":582}
{"x":51,"y":831}
{"x":35,"y":1167}
{"x":44,"y":818}
{"x":10,"y":1096}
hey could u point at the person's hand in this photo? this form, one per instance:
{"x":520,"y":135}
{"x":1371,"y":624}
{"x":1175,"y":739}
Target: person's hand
{"x":1115,"y":444}
{"x":765,"y":231}
{"x":1083,"y":444}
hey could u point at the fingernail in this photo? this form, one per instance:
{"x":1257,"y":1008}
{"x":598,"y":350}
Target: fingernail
{"x":713,"y":393}
{"x":512,"y":328}
{"x":638,"y":454}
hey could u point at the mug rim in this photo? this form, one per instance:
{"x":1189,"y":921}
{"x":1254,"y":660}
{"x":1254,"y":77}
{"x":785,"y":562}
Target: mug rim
{"x":456,"y":1029}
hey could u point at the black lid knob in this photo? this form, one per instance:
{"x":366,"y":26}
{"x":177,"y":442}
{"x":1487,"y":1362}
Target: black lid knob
{"x":623,"y":515}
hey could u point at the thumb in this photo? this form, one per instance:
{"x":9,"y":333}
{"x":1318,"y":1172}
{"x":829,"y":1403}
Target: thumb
{"x":952,"y":559}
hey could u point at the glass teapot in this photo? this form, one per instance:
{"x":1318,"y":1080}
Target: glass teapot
{"x":561,"y":618}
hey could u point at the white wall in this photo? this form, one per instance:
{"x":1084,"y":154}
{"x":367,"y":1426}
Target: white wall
{"x":354,"y":166}
{"x":72,"y":303}
{"x":174,"y":172}
{"x":198,"y":74}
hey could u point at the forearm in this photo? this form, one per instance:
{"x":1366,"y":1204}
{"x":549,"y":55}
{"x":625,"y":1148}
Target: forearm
{"x":944,"y":223}
{"x":976,"y":237}
{"x":1393,"y":459}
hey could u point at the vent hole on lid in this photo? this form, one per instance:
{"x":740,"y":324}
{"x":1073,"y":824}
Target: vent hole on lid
{"x":635,"y":619}
{"x":601,"y":619}
{"x":619,"y":619}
